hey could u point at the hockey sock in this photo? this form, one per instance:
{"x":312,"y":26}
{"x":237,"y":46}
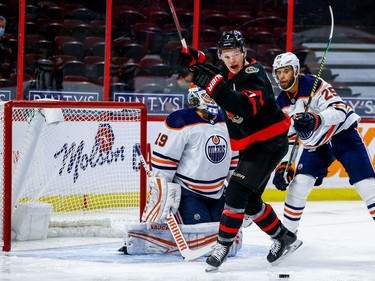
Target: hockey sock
{"x":366,"y":189}
{"x":267,"y":220}
{"x":230,"y":223}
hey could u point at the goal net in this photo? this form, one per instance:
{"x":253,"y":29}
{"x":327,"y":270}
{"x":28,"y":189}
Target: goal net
{"x":70,"y":164}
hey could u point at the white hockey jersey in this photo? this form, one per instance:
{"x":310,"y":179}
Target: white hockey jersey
{"x":336,"y":116}
{"x":194,"y":153}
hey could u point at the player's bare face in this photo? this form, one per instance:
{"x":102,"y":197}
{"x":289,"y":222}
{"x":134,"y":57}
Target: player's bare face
{"x":233,"y":59}
{"x":285,"y":76}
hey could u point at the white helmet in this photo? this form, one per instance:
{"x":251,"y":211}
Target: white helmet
{"x":283,"y":60}
{"x":198,"y":98}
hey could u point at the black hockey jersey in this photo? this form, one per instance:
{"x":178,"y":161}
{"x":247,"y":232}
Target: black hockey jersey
{"x":251,"y":111}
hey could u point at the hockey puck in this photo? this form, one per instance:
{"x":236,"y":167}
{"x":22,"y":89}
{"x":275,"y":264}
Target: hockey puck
{"x":284,"y":276}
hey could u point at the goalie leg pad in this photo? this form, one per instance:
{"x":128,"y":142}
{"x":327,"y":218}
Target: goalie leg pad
{"x":151,"y":238}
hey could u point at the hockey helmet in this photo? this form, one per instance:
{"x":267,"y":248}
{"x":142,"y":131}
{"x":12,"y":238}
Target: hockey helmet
{"x":283,"y":60}
{"x":198,"y":98}
{"x":232,"y":39}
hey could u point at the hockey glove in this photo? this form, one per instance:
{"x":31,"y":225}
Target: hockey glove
{"x":207,"y":79}
{"x":306,"y":125}
{"x":164,"y":197}
{"x":191,"y":57}
{"x":278,"y":180}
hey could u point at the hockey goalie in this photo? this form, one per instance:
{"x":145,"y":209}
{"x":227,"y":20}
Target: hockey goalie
{"x":191,"y":161}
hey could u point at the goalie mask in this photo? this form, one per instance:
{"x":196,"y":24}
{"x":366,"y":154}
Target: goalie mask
{"x":198,"y":98}
{"x":284,"y":60}
{"x":231,"y":40}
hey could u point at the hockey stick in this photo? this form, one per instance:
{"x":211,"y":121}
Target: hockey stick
{"x":187,"y":253}
{"x":295,"y":145}
{"x":178,"y":26}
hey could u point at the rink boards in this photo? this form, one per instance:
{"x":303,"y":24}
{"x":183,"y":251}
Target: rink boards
{"x":335,"y":186}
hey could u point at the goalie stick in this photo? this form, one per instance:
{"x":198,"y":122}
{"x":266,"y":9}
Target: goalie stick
{"x":187,"y":253}
{"x":295,"y":144}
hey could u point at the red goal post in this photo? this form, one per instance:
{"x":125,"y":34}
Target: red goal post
{"x":76,"y":158}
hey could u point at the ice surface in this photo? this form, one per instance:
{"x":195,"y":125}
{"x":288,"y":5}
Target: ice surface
{"x":338,"y":245}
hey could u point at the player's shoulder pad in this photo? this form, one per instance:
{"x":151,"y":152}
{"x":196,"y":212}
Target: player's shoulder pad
{"x":182,"y":118}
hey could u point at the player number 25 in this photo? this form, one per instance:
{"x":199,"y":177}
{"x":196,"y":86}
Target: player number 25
{"x":329,"y":93}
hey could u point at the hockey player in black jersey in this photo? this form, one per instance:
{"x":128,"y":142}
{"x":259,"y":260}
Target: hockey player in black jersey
{"x":258,"y":130}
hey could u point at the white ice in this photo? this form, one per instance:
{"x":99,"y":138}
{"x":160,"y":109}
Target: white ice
{"x":338,"y":245}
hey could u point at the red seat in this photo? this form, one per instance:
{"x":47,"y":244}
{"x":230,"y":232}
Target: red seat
{"x":146,"y":62}
{"x":214,"y":18}
{"x":208,"y":33}
{"x":240,"y":18}
{"x":263,"y":37}
{"x":150,"y":36}
{"x":59,"y":42}
{"x":90,"y":41}
{"x":67,"y":58}
{"x":98,"y":28}
{"x":157,"y":15}
{"x":119,"y":61}
{"x":75,"y":78}
{"x":90,"y":60}
{"x":127,"y":18}
{"x":271,"y":22}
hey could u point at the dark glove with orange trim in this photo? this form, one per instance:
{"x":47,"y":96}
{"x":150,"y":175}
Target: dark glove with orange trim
{"x":306,"y":125}
{"x":190,"y":57}
{"x":207,"y":79}
{"x":278,"y":180}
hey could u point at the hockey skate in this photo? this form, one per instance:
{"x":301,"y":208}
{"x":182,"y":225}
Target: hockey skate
{"x":218,"y":256}
{"x":284,"y":245}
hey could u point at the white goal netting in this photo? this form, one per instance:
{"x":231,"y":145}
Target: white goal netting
{"x":76,"y":157}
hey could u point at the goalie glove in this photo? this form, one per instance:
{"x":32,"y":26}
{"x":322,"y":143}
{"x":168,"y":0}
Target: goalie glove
{"x":191,"y":57}
{"x":278,"y":180}
{"x":207,"y":79}
{"x":163,"y":198}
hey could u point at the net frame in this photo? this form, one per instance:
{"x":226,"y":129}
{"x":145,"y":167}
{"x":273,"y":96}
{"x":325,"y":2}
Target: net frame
{"x":7,"y":155}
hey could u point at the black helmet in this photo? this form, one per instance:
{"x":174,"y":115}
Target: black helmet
{"x":231,"y":40}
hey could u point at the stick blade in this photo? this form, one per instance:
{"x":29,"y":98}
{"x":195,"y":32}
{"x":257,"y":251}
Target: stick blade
{"x":189,"y":254}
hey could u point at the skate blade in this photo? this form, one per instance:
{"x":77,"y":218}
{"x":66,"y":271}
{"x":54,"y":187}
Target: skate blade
{"x":211,"y":268}
{"x":289,"y":250}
